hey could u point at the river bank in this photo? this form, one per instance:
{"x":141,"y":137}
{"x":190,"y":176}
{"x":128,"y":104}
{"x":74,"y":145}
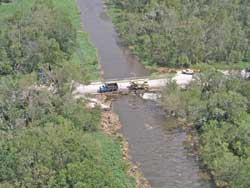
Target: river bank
{"x":110,"y":124}
{"x":157,"y":151}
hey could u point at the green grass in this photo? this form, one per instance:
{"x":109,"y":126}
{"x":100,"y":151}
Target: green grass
{"x":85,"y":52}
{"x":9,"y":9}
{"x":111,"y":153}
{"x":112,"y":11}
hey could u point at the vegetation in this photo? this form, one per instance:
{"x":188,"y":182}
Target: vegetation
{"x":48,"y":139}
{"x":24,"y":23}
{"x":179,"y":33}
{"x":201,"y":34}
{"x":219,"y":109}
{"x":4,"y":1}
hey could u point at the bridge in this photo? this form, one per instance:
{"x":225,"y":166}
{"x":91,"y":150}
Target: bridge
{"x":154,"y":83}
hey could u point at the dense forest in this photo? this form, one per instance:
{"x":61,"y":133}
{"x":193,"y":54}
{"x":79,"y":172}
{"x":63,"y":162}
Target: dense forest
{"x":218,"y":107}
{"x":201,"y":33}
{"x":48,"y":139}
{"x":180,"y":33}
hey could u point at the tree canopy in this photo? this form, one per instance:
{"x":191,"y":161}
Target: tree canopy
{"x":55,"y":156}
{"x":218,"y":107}
{"x":31,"y":41}
{"x":177,"y":33}
{"x":49,"y":139}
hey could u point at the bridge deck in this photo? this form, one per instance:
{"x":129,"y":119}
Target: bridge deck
{"x":154,"y":83}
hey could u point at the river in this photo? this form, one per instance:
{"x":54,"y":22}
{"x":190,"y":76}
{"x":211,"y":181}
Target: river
{"x":158,"y":150}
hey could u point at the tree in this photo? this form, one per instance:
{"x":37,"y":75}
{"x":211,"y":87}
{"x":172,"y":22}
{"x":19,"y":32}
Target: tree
{"x":167,"y":33}
{"x":54,"y":156}
{"x":217,"y":106}
{"x":226,"y":106}
{"x":32,"y":41}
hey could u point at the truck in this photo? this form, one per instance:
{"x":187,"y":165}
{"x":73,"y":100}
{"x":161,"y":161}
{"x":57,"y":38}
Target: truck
{"x":108,"y":87}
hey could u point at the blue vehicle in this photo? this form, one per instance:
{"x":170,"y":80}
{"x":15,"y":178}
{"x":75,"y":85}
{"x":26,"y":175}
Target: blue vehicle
{"x":108,"y":87}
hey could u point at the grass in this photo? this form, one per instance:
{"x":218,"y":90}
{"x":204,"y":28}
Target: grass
{"x":111,"y":153}
{"x":85,"y":53}
{"x":112,"y":11}
{"x":9,"y":9}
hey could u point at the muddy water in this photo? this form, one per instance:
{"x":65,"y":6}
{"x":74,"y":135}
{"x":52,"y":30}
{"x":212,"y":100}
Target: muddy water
{"x":158,"y":150}
{"x":115,"y":62}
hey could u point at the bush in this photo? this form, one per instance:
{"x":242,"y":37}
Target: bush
{"x":54,"y":156}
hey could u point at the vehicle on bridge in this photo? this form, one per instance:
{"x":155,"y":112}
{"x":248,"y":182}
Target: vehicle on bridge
{"x":108,"y":87}
{"x":134,"y":86}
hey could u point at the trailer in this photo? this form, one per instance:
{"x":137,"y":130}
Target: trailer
{"x":134,"y":85}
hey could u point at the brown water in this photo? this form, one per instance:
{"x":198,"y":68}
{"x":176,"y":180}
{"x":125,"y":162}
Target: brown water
{"x":158,"y":150}
{"x":116,"y":62}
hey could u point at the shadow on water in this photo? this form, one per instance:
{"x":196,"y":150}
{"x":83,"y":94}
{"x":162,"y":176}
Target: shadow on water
{"x":157,"y":149}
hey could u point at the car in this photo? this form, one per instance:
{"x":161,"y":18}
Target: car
{"x":188,"y":71}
